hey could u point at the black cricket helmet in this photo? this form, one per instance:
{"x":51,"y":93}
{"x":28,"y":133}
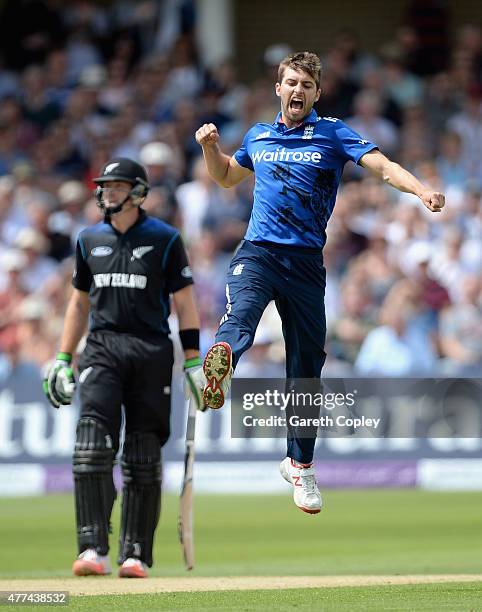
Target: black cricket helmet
{"x":123,"y":169}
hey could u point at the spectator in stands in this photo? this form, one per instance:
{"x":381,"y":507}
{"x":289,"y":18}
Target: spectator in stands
{"x":461,"y":331}
{"x":39,"y":268}
{"x":69,"y":102}
{"x":12,"y":292}
{"x":468,"y":125}
{"x":450,"y":164}
{"x":398,"y":347}
{"x":354,"y":323}
{"x":368,"y":121}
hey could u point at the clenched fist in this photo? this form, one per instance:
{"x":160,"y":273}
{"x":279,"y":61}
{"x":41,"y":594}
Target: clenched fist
{"x":433,"y":200}
{"x":207,"y":135}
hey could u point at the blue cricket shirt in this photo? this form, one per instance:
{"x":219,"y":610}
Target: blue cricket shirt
{"x":297,"y":173}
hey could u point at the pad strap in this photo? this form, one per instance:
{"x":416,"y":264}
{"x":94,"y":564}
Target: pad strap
{"x":141,"y":500}
{"x":93,"y":483}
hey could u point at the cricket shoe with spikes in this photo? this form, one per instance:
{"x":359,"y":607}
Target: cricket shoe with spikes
{"x":90,"y":563}
{"x":305,"y":490}
{"x":218,"y":370}
{"x":133,"y":568}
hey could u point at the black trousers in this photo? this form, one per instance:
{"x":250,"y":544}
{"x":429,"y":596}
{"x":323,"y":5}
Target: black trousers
{"x":123,"y":369}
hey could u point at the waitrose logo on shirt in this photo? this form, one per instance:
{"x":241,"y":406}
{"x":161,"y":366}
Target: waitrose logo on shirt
{"x":284,"y":155}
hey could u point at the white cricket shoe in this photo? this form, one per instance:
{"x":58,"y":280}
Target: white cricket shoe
{"x":218,"y":370}
{"x":90,"y":563}
{"x":133,"y":568}
{"x":306,"y":494}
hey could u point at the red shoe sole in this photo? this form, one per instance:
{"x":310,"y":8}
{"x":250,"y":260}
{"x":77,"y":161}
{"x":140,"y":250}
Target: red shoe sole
{"x":215,"y":371}
{"x":87,"y":568}
{"x":309,"y":511}
{"x":132,"y":572}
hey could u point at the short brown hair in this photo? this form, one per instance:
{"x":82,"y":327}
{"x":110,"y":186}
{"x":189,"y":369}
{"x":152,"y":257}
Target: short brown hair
{"x":304,"y":60}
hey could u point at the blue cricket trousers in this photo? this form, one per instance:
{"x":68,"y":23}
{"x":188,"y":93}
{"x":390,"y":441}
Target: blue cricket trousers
{"x":295,"y":279}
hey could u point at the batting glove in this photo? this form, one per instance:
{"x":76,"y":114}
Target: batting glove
{"x":194,"y":382}
{"x":59,"y":381}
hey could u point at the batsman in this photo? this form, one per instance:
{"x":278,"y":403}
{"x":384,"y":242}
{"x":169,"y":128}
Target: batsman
{"x":297,"y":161}
{"x":127,"y":267}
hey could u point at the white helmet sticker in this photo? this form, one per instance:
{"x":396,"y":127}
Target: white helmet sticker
{"x":110,"y":167}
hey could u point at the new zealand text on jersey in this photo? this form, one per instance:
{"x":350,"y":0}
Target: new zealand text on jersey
{"x":117,"y":279}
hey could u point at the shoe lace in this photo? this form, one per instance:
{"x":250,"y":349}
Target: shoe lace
{"x":308,"y":483}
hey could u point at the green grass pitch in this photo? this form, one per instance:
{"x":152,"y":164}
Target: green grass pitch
{"x":450,"y":597}
{"x":358,"y":532}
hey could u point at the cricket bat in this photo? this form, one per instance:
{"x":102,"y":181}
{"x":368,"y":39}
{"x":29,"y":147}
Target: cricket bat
{"x":186,"y":515}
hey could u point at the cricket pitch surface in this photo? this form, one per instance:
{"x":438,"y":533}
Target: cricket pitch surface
{"x":111,"y":585}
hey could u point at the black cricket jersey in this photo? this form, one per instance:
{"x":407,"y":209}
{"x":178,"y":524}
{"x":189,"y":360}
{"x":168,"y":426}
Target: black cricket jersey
{"x":130,"y":276}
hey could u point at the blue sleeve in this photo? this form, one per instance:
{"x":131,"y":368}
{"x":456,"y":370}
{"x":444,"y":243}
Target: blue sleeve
{"x":350,"y":144}
{"x":242,"y":155}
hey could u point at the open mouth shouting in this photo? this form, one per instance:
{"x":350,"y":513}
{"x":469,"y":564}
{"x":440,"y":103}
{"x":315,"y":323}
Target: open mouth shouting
{"x":297,"y":105}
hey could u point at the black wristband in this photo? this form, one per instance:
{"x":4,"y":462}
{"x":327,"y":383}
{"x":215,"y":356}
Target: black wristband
{"x":189,"y":339}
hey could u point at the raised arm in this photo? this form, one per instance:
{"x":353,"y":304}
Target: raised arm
{"x":223,"y":169}
{"x":396,"y":176}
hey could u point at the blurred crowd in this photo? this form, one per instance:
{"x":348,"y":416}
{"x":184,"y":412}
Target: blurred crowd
{"x":80,"y":83}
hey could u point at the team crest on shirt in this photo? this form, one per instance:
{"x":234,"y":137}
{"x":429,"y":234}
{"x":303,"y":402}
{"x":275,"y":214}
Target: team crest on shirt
{"x":308,"y":133}
{"x":139,"y":252}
